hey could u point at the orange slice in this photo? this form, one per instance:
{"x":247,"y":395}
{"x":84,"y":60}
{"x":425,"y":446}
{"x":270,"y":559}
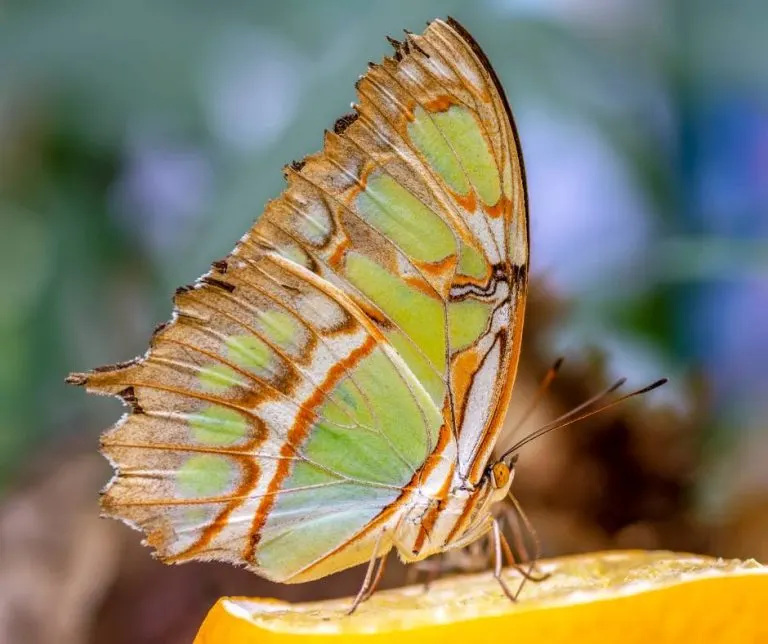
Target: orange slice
{"x":626,"y":597}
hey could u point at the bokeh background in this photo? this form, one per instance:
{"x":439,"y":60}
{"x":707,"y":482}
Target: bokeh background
{"x":139,"y":140}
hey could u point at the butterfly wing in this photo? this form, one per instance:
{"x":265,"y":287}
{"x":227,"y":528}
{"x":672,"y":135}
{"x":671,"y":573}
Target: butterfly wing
{"x":269,"y":422}
{"x":483,"y":371}
{"x":359,"y":339}
{"x":436,"y":120}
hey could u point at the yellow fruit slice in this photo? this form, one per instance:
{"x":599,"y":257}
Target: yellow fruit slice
{"x":627,"y":597}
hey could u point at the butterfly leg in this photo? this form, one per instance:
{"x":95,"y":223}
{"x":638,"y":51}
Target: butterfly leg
{"x":519,"y":541}
{"x":512,"y":561}
{"x":376,"y":578}
{"x":434,"y":572}
{"x":370,"y":580}
{"x":432,"y":569}
{"x":498,"y":561}
{"x":412,"y":574}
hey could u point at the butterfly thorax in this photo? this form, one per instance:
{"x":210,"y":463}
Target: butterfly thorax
{"x":430,"y":526}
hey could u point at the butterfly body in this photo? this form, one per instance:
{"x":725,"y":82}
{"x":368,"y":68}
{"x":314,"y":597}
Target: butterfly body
{"x":432,"y":525}
{"x":336,"y":385}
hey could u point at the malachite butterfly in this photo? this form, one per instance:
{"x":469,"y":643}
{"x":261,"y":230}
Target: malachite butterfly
{"x":334,"y":388}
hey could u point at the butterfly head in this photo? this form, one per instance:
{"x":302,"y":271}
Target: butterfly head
{"x":501,"y":474}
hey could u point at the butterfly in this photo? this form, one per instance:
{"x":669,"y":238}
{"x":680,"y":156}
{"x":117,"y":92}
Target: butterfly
{"x":334,"y":388}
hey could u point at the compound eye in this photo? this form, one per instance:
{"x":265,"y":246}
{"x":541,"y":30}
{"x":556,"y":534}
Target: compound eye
{"x":499,"y":475}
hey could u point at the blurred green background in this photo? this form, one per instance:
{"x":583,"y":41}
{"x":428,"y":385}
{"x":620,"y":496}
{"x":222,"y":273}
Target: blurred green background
{"x":139,"y":139}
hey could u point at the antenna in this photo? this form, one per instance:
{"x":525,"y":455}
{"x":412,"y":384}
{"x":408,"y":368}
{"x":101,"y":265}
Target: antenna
{"x":540,"y":391}
{"x":573,"y":416}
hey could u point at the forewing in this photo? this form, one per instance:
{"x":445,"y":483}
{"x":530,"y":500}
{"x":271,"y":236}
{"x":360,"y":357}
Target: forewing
{"x":441,"y":96}
{"x":417,"y":209}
